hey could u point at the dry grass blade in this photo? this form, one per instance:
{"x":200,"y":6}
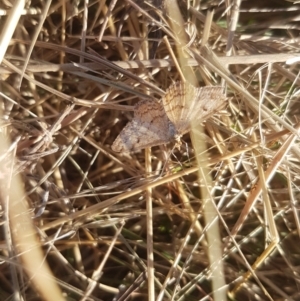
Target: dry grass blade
{"x":216,"y":218}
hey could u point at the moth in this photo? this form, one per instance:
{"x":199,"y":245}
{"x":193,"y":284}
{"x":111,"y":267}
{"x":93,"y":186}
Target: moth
{"x":157,"y":122}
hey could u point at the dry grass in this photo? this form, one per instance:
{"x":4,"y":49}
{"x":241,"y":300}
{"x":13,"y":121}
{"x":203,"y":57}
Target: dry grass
{"x":80,"y":219}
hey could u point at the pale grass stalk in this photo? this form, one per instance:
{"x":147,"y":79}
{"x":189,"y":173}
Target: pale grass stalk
{"x":206,"y":32}
{"x":233,"y":19}
{"x":173,"y":56}
{"x":113,"y":31}
{"x":262,"y":96}
{"x":149,"y":216}
{"x":35,"y":36}
{"x":106,"y":18}
{"x":10,"y":25}
{"x":26,"y":245}
{"x":207,"y":27}
{"x":84,"y":29}
{"x":209,"y":212}
{"x":293,"y":202}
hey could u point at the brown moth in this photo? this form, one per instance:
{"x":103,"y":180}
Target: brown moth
{"x":159,"y":122}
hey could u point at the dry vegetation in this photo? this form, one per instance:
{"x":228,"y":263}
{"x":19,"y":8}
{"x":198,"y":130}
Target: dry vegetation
{"x":215,"y":220}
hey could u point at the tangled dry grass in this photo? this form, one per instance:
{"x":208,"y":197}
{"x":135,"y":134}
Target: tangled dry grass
{"x":216,"y":219}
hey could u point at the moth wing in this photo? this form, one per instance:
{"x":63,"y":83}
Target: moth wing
{"x":149,"y":127}
{"x":184,"y":103}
